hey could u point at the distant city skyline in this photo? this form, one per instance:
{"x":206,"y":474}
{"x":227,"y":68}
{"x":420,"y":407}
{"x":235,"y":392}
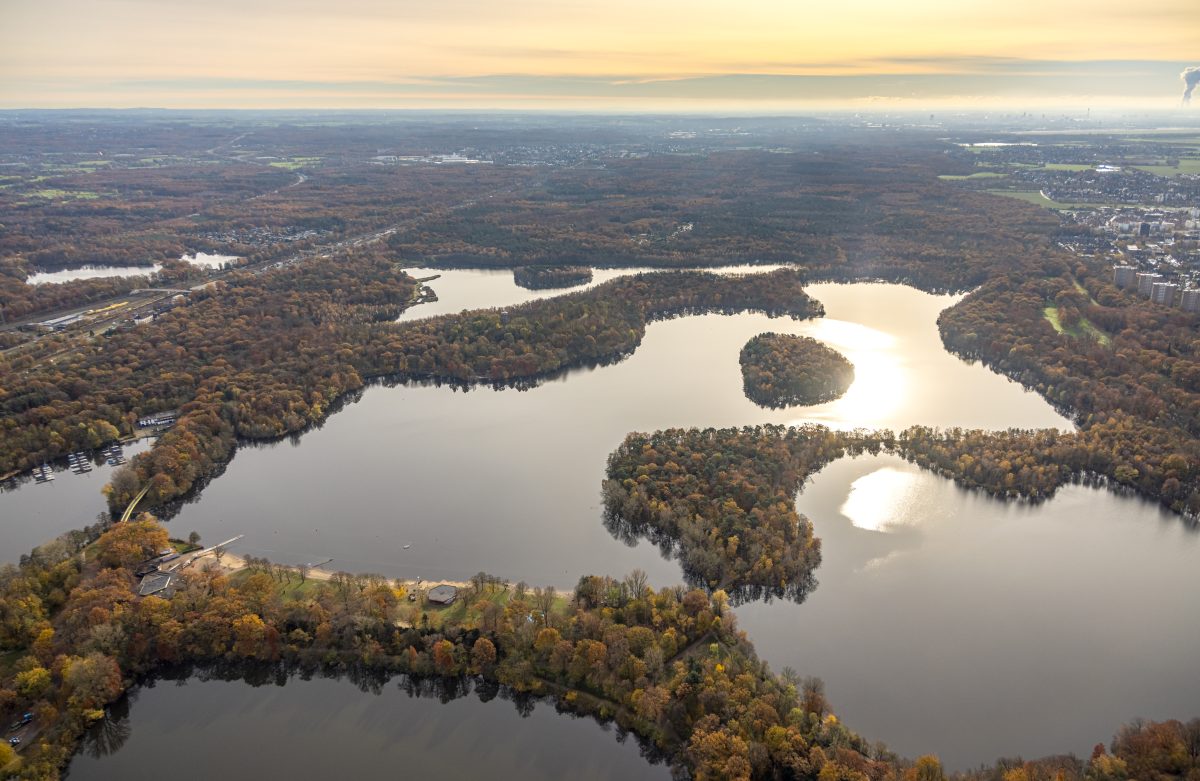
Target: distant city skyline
{"x":660,"y":55}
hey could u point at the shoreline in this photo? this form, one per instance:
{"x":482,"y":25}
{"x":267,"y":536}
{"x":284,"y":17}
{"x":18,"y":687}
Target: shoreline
{"x":232,"y":562}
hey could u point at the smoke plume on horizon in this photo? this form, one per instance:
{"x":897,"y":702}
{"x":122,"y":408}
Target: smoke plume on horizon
{"x":1190,"y":78}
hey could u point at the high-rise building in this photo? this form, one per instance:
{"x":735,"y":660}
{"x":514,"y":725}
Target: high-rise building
{"x":1145,"y":283}
{"x":1190,"y":301}
{"x":1124,"y":276}
{"x":1164,"y":293}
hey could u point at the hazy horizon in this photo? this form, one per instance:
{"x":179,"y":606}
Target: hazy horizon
{"x":759,"y":56}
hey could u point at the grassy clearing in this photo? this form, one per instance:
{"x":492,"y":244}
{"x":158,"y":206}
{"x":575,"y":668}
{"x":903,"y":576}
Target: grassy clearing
{"x":288,"y":590}
{"x":1085,"y":327}
{"x":1082,"y":289}
{"x":1068,"y":167}
{"x":467,"y":612}
{"x":1037,"y":199}
{"x":1187,"y":165}
{"x":1185,"y":140}
{"x":65,"y":195}
{"x":1030,"y":196}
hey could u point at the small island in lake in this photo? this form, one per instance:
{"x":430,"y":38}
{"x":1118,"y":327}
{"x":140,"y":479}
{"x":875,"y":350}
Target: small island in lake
{"x":543,"y":277}
{"x":780,"y":370}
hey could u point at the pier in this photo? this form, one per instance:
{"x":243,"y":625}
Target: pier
{"x":79,"y":462}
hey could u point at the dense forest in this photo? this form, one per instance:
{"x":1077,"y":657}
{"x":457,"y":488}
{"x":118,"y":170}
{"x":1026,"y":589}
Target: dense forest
{"x":1134,"y":390}
{"x":262,"y":355}
{"x":842,"y":212}
{"x":723,"y":500}
{"x":546,"y":277}
{"x":257,"y":355}
{"x":669,"y":665}
{"x":782,"y":370}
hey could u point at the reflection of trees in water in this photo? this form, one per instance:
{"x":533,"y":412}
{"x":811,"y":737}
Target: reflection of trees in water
{"x":699,"y":557}
{"x":110,"y":733}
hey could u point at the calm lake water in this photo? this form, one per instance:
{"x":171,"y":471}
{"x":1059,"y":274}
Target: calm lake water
{"x":462,"y":289}
{"x":33,"y":513}
{"x":90,"y":272}
{"x":949,"y":622}
{"x":944,"y":621}
{"x":508,"y":481}
{"x":330,"y":729}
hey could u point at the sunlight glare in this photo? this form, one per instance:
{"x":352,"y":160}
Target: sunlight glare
{"x":881,"y":380}
{"x":883,"y":500}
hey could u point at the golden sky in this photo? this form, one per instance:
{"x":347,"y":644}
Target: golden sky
{"x":602,"y":53}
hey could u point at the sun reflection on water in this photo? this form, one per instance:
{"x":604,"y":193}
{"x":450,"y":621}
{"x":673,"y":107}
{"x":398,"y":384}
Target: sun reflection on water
{"x":881,"y":381}
{"x":883,"y":500}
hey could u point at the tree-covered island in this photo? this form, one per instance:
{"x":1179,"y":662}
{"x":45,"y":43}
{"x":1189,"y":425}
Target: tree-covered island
{"x":782,"y":370}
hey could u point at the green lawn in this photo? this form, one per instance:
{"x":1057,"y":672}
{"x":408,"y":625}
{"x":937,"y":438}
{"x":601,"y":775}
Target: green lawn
{"x":64,"y":195}
{"x":1030,"y":196}
{"x":1037,"y":199}
{"x":1068,"y":167}
{"x":287,"y":589}
{"x":464,"y":614}
{"x":1083,"y":328}
{"x":1187,"y":165}
{"x":1082,"y":289}
{"x":1185,"y":140}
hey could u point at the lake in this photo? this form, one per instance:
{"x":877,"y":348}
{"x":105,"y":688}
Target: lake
{"x":508,"y":481}
{"x":89,"y":272}
{"x":949,"y":622}
{"x":944,"y":621}
{"x":462,"y":289}
{"x":326,"y":728}
{"x":33,"y":513}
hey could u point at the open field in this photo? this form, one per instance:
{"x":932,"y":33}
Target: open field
{"x":1187,"y":165}
{"x":1037,"y":199}
{"x":62,"y":195}
{"x":1083,"y":328}
{"x":1030,"y":196}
